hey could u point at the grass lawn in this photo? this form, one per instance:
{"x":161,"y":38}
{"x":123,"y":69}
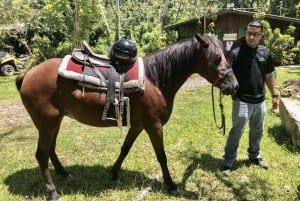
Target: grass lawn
{"x":193,"y":144}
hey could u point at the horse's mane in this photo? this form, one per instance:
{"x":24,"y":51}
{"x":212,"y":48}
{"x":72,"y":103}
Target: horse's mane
{"x":215,"y":45}
{"x":161,"y":65}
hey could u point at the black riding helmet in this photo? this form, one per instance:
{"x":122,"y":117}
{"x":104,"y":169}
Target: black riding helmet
{"x":123,"y":51}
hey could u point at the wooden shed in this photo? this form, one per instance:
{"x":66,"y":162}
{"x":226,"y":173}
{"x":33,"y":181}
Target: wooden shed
{"x":230,"y":25}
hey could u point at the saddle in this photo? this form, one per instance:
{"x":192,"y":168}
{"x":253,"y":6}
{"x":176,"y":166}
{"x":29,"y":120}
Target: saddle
{"x":86,"y":54}
{"x":87,"y":57}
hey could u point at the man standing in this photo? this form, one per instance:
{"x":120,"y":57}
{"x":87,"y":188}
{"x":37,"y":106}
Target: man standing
{"x":253,"y":68}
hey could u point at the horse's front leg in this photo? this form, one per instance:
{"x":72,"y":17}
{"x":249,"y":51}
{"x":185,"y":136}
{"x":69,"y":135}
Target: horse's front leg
{"x":42,"y":156}
{"x":156,"y":136}
{"x":128,"y":142}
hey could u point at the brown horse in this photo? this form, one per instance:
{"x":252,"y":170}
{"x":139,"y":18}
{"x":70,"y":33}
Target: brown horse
{"x":48,"y":97}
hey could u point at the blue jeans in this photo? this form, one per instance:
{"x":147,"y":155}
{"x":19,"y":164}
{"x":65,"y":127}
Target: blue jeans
{"x":243,"y":113}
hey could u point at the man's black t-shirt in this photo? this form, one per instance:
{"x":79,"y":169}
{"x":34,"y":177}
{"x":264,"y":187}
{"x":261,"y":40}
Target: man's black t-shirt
{"x":250,"y":65}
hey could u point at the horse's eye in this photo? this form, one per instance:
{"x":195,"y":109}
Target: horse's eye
{"x":218,"y":60}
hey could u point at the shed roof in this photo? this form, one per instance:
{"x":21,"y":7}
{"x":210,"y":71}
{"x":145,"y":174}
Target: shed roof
{"x":293,"y":21}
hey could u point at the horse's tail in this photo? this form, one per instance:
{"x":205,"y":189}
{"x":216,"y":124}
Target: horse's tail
{"x":19,"y":81}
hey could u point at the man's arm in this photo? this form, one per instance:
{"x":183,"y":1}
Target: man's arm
{"x":270,"y":81}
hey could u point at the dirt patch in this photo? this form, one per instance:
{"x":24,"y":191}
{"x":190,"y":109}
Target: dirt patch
{"x":13,"y":114}
{"x":291,"y":89}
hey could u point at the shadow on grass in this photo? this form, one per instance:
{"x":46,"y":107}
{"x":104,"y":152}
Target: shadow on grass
{"x":280,"y":136}
{"x":85,"y":180}
{"x":6,"y":133}
{"x":241,"y":190}
{"x":12,"y":130}
{"x":208,"y":163}
{"x":89,"y":180}
{"x":8,"y":130}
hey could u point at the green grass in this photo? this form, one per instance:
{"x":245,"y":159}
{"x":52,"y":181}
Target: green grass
{"x":194,"y":148}
{"x":8,"y":90}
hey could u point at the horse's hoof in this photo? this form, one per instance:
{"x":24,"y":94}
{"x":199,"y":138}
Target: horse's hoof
{"x":55,"y":196}
{"x":114,"y":177}
{"x":172,"y":187}
{"x":63,"y":173}
{"x":115,"y":174}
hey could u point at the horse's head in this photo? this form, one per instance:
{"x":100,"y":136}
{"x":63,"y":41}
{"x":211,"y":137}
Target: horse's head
{"x":214,"y":65}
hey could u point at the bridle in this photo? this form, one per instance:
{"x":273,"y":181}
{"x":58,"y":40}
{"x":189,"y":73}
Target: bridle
{"x":215,"y":83}
{"x":221,"y":75}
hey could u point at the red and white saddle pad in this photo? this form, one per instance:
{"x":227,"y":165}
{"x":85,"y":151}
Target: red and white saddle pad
{"x":86,"y":75}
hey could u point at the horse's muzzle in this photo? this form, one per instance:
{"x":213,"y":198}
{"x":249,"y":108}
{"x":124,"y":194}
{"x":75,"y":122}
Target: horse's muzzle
{"x":228,"y":84}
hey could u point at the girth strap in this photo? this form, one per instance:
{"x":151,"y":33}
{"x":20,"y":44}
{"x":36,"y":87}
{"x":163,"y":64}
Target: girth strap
{"x":87,"y":59}
{"x":111,"y":90}
{"x":110,"y":95}
{"x":121,"y":101}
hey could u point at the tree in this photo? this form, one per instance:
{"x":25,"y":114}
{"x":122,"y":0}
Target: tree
{"x":283,"y":7}
{"x":17,"y":20}
{"x":281,"y":44}
{"x":51,"y":28}
{"x":298,"y":9}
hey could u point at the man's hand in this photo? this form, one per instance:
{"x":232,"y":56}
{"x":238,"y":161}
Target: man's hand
{"x":275,"y":105}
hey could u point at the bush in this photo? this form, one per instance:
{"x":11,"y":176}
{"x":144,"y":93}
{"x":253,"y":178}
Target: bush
{"x":282,"y":46}
{"x":64,"y":48}
{"x":296,"y":51}
{"x":151,"y":41}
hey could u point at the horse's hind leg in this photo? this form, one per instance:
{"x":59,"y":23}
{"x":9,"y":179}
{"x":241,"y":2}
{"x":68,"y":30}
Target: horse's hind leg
{"x":47,"y":137}
{"x":59,"y":169}
{"x":128,"y":142}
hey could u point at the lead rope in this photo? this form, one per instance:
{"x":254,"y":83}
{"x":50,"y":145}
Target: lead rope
{"x":222,"y":126}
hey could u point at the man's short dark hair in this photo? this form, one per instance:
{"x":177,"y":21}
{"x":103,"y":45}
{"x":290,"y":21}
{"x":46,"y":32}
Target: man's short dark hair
{"x":256,"y":23}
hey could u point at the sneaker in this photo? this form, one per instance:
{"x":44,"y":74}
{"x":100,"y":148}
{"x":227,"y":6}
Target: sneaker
{"x":259,"y":162}
{"x":226,"y":171}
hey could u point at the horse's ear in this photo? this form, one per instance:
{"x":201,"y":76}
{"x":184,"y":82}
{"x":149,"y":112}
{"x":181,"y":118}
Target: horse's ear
{"x":203,"y":42}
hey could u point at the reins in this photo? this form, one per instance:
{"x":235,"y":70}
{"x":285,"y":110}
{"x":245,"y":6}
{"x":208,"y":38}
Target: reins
{"x":222,"y":126}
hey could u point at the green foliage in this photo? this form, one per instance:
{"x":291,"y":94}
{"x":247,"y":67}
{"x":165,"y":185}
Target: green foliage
{"x":51,"y":28}
{"x":296,"y":51}
{"x":151,"y":41}
{"x":170,"y":37}
{"x":16,"y":19}
{"x":287,"y":7}
{"x":101,"y":47}
{"x":8,"y":90}
{"x":42,"y":48}
{"x":298,"y":9}
{"x":211,"y":26}
{"x":282,"y":46}
{"x":63,"y":49}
